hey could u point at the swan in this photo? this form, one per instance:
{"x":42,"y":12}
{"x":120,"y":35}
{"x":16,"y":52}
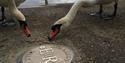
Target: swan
{"x":16,"y":14}
{"x":3,"y":5}
{"x":67,"y":20}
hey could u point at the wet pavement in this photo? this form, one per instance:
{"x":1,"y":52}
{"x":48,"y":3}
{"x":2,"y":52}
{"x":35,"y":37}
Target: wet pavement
{"x":41,"y":3}
{"x":92,"y":40}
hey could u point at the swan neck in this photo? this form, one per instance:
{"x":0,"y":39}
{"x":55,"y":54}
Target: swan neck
{"x":12,"y":5}
{"x":73,"y":11}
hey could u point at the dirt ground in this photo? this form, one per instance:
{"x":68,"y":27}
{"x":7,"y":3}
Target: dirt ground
{"x":92,"y":39}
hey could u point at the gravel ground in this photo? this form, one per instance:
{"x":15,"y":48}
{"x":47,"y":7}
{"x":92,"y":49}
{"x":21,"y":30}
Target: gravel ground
{"x":93,"y":40}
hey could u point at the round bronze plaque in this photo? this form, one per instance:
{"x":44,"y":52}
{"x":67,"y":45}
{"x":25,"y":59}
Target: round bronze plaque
{"x":48,"y":54}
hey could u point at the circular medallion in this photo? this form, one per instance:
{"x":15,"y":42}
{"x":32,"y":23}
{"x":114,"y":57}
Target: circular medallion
{"x":48,"y":54}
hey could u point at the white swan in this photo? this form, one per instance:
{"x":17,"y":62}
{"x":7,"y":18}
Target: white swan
{"x":16,"y":14}
{"x":67,"y":20}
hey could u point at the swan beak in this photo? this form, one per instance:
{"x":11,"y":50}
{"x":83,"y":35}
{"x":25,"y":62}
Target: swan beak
{"x":25,"y":28}
{"x":53,"y":34}
{"x":26,"y":31}
{"x":55,"y":29}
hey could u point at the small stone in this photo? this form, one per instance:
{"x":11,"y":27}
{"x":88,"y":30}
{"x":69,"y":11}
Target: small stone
{"x":113,"y":50}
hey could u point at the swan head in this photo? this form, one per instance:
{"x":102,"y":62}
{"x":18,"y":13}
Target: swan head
{"x":57,"y":27}
{"x":25,"y":28}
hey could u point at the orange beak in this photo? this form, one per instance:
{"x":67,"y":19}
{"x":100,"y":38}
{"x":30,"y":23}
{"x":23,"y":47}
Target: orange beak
{"x":53,"y":34}
{"x":26,"y":31}
{"x":25,"y":28}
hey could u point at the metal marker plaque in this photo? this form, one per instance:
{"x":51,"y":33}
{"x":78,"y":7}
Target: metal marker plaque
{"x":48,"y":54}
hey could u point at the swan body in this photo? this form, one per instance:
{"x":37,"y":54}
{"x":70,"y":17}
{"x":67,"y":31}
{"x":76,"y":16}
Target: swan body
{"x":67,"y":20}
{"x":11,"y":4}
